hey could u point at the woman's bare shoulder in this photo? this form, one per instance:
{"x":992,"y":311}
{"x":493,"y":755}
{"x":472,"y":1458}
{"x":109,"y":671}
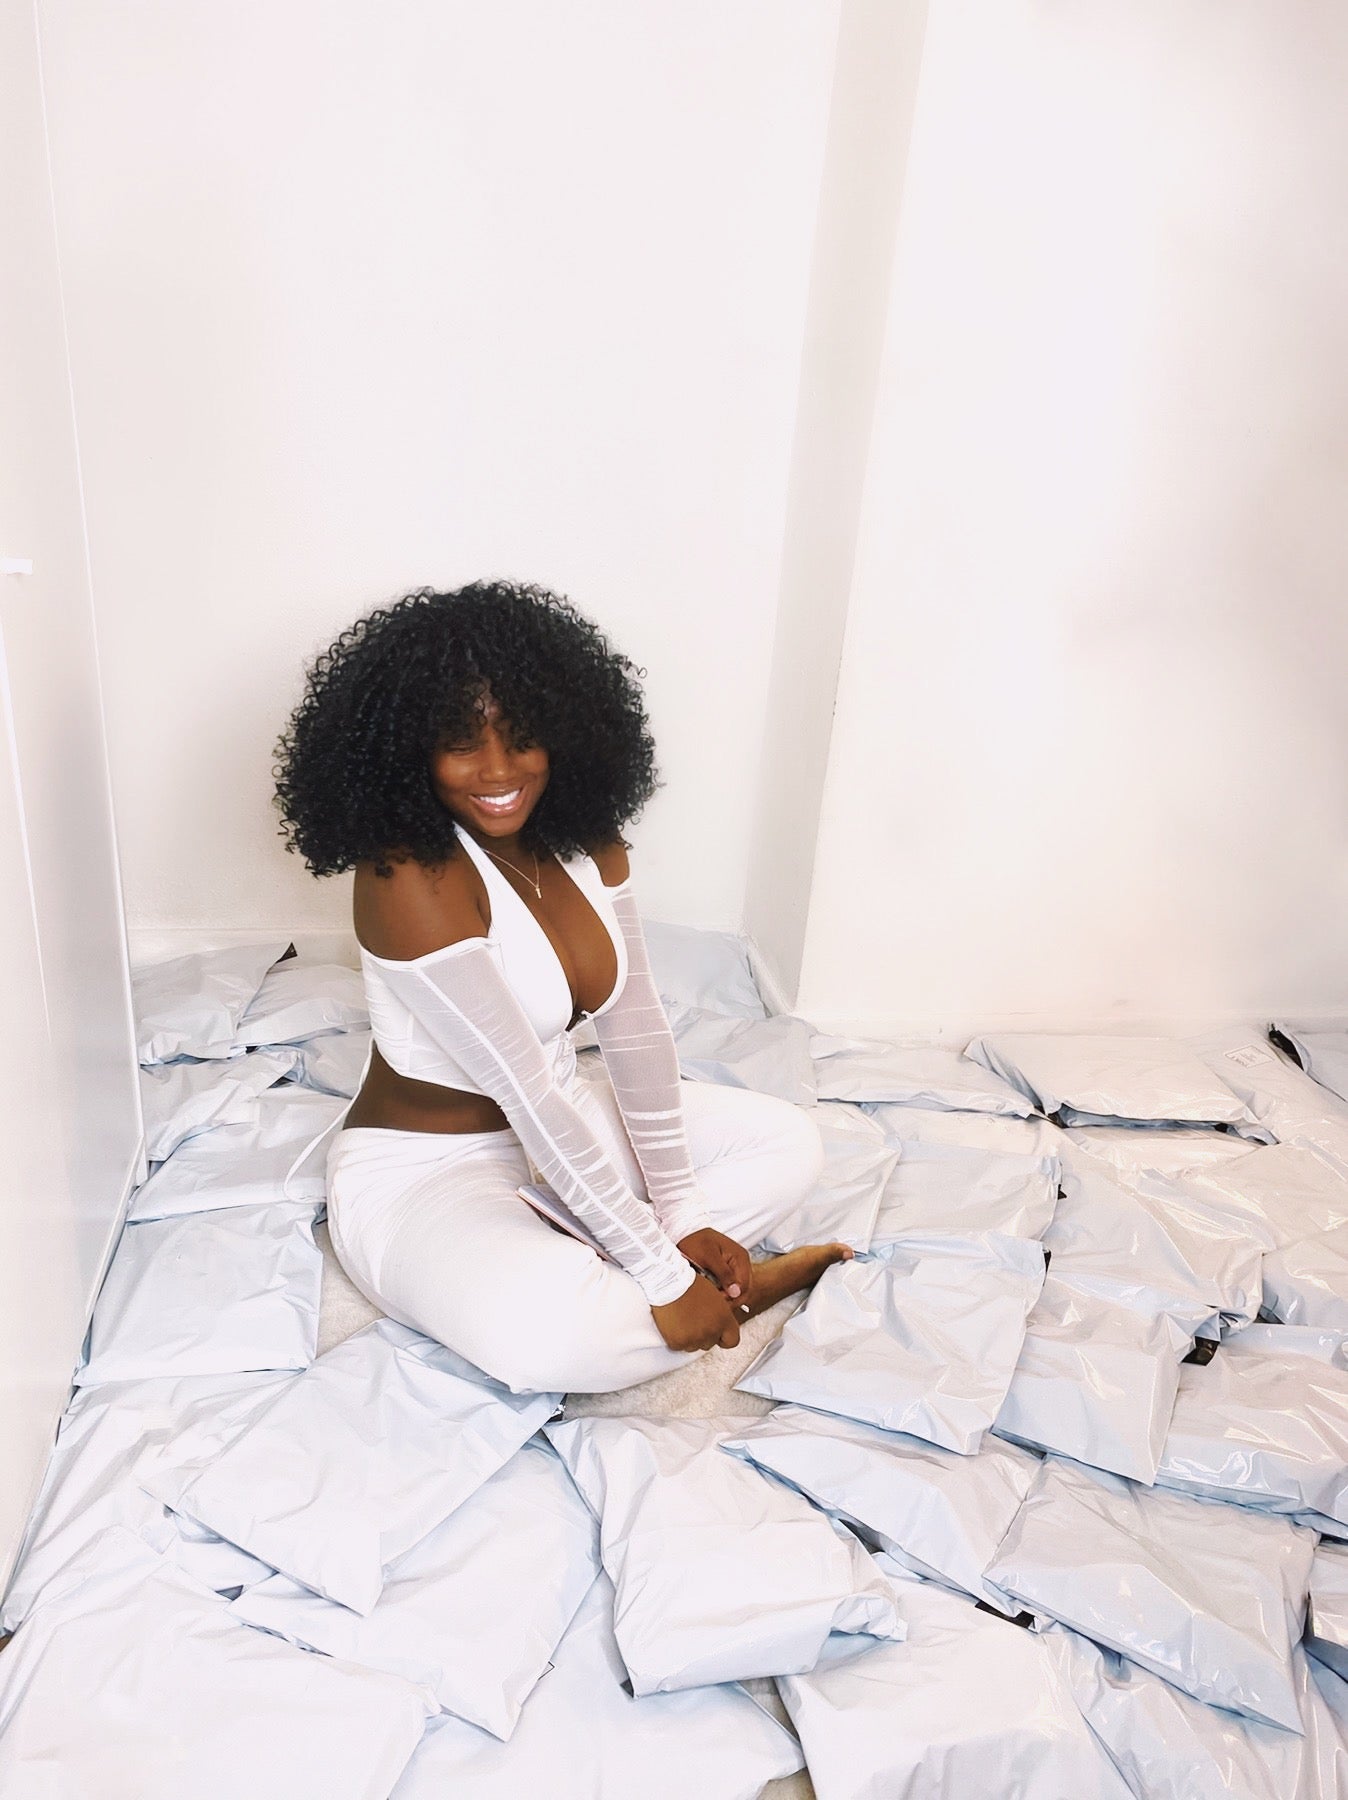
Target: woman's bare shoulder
{"x":611,"y":862}
{"x":419,"y":907}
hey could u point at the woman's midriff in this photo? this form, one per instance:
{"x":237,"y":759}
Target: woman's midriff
{"x":389,"y":1101}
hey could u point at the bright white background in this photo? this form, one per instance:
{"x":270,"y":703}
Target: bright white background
{"x":975,"y":502}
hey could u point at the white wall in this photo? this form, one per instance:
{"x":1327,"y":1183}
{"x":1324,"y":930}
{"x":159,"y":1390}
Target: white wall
{"x":1090,"y":759}
{"x":369,"y":296}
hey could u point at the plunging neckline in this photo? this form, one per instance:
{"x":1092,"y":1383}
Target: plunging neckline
{"x":488,"y":868}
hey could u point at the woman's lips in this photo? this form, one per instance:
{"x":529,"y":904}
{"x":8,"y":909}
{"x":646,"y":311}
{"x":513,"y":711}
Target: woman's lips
{"x":498,"y":805}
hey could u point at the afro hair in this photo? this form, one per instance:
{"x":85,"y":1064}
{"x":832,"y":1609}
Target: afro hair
{"x":352,"y":777}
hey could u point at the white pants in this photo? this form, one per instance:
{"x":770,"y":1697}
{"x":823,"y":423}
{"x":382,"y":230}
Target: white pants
{"x":430,"y":1228}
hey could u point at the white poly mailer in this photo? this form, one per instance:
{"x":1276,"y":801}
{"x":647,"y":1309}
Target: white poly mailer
{"x":1096,"y":1379}
{"x":1291,"y":1107}
{"x":107,"y":1435}
{"x":925,"y":1075}
{"x":941,"y":1190}
{"x":356,"y":1460}
{"x":299,"y":1000}
{"x":1210,"y":1597}
{"x":582,"y":1736}
{"x":180,"y":1099}
{"x":1265,"y":1423}
{"x":476,"y":1609}
{"x":1085,"y":1080}
{"x":1327,"y":1626}
{"x":334,"y":1063}
{"x":1282,"y":1192}
{"x":924,"y":1339}
{"x":1169,"y":1746}
{"x":130,"y":1681}
{"x":721,"y":1573}
{"x":940,"y":1514}
{"x":858,"y":1160}
{"x":1171,"y":1251}
{"x":245,"y":1164}
{"x":1168,"y":1149}
{"x":191,"y":1005}
{"x":906,"y":1125}
{"x":771,"y":1056}
{"x":1307,"y":1283}
{"x":1322,"y":1053}
{"x":967,"y":1705}
{"x":710,"y":970}
{"x":208,"y":1294}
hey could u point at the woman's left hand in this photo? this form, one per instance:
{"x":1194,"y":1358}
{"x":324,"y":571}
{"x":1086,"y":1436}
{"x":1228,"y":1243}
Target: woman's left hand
{"x":724,"y":1260}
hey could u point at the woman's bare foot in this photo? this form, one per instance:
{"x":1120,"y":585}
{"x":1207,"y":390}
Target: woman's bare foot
{"x":790,"y":1273}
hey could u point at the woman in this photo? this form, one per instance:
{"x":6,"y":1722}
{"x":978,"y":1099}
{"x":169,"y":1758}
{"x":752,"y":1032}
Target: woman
{"x":474,"y":757}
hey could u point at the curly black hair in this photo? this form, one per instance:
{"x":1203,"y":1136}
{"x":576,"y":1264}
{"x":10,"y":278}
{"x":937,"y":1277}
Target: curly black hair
{"x":352,"y":776}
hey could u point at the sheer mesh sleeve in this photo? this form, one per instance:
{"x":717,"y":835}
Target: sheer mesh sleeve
{"x":462,"y":999}
{"x":643,"y":1066}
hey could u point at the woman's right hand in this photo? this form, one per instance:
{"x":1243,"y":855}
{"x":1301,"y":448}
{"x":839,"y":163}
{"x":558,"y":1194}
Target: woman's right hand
{"x":698,"y":1319}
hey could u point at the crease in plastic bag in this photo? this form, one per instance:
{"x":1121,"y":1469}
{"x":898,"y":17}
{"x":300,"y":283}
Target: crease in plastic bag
{"x":1169,"y":1150}
{"x":926,"y":1075}
{"x":1210,"y":1597}
{"x":1169,"y":1746}
{"x":858,"y":1160}
{"x":332,"y":1064}
{"x":1078,"y":1079}
{"x":107,"y":1436}
{"x":1097,"y":1377}
{"x":1327,"y":1625}
{"x":969,"y":1704}
{"x":1291,"y":1107}
{"x":356,"y":1460}
{"x":299,"y":1000}
{"x":131,"y":1681}
{"x":191,"y":1005}
{"x":771,"y":1056}
{"x":721,"y":1573}
{"x":940,"y":1514}
{"x":476,"y":1609}
{"x":1322,"y":1053}
{"x":906,"y":1125}
{"x":208,"y":1294}
{"x":941,"y":1190}
{"x":1265,"y":1423}
{"x":244,"y":1164}
{"x":923,"y":1338}
{"x":582,"y":1736}
{"x":1307,"y":1283}
{"x":181,"y":1099}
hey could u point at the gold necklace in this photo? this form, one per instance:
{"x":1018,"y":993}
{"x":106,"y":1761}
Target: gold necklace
{"x":533,"y":879}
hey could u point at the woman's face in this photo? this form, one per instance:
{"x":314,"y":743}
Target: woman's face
{"x":487,"y":784}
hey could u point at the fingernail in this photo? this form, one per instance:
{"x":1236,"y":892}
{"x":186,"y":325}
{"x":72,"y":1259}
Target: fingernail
{"x":744,"y":1310}
{"x":733,"y":1290}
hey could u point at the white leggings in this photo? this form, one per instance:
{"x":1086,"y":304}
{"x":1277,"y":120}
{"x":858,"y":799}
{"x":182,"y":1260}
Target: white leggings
{"x":430,"y":1228}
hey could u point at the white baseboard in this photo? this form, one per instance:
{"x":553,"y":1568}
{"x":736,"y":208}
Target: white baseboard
{"x":155,"y":943}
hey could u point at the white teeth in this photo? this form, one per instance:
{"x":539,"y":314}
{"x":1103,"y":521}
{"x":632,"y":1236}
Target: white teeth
{"x":499,"y":802}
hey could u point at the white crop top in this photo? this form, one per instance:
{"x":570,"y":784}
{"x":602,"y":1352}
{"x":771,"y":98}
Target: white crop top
{"x":525,"y":957}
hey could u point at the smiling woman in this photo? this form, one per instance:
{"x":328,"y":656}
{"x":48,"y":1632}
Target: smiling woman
{"x":474,"y":758}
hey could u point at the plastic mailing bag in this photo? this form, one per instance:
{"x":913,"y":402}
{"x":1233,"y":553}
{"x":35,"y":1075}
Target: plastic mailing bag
{"x":333,"y":1063}
{"x":1307,"y":1283}
{"x":1285,"y":1192}
{"x":1108,"y":1080}
{"x":180,"y":1099}
{"x":938,"y":1513}
{"x":299,"y":1000}
{"x":1323,"y":1054}
{"x":130,"y":1681}
{"x":191,"y":1005}
{"x":858,"y":1160}
{"x":1210,"y":1597}
{"x":1265,"y":1423}
{"x":968,"y":1705}
{"x":927,"y":1075}
{"x":582,"y":1736}
{"x":476,"y":1609}
{"x":1168,"y":1746}
{"x":1168,"y":1149}
{"x":209,"y":1294}
{"x":245,"y":1164}
{"x":1096,"y":1379}
{"x":772,"y":1056}
{"x":356,"y":1460}
{"x":106,"y":1436}
{"x":721,"y":1573}
{"x":1327,"y":1627}
{"x":1291,"y":1107}
{"x":924,"y":1340}
{"x":970,"y":1131}
{"x":942,"y":1190}
{"x":710,"y":970}
{"x":1155,"y":1245}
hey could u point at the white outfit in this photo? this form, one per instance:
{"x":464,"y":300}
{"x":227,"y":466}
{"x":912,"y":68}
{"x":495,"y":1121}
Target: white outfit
{"x":430,"y":1226}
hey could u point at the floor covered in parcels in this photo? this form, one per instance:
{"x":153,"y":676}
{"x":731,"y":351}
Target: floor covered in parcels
{"x":1043,"y":1495}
